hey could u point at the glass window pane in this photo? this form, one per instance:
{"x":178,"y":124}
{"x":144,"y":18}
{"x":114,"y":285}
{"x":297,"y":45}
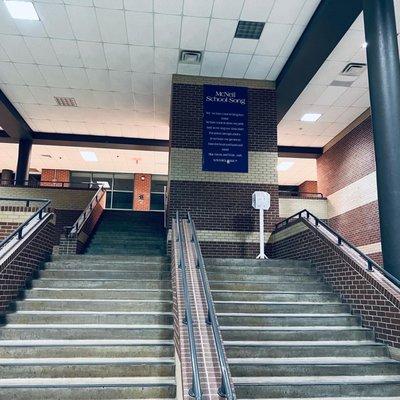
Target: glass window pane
{"x":157,"y":202}
{"x":103,"y":177}
{"x":123,"y":182}
{"x":158,"y":182}
{"x":108,"y":199}
{"x":81,"y":179}
{"x":123,"y":200}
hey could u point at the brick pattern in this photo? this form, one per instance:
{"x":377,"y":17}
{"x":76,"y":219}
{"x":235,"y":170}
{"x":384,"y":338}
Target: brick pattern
{"x":308,"y":187}
{"x":141,"y":192}
{"x":6,"y":228}
{"x":291,"y":206}
{"x":19,"y":265}
{"x":369,"y":295}
{"x":55,"y":177}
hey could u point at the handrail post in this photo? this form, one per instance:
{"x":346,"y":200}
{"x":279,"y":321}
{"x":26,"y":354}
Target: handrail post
{"x":208,"y":318}
{"x":222,"y":390}
{"x":20,"y":233}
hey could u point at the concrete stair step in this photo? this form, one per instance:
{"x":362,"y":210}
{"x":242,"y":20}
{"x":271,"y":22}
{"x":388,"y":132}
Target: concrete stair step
{"x":60,"y":348}
{"x":92,"y":305}
{"x":333,"y":398}
{"x":262,"y":270}
{"x":287,"y":319}
{"x":102,"y":274}
{"x":248,"y":262}
{"x":283,"y":286}
{"x":290,"y":349}
{"x":128,"y":252}
{"x":280,"y":307}
{"x":102,"y":294}
{"x":109,"y":266}
{"x":243,"y":295}
{"x":87,"y":388}
{"x":314,"y":366}
{"x":313,"y":386}
{"x":86,"y":367}
{"x":296,"y":333}
{"x":71,"y":258}
{"x":248,"y":278}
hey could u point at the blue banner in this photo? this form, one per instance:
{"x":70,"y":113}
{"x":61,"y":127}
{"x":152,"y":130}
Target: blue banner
{"x":225,"y":141}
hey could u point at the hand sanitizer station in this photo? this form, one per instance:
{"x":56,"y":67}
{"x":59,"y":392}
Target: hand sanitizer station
{"x":261,"y":201}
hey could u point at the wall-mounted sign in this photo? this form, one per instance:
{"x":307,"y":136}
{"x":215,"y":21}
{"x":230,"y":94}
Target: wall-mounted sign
{"x":225,"y":142}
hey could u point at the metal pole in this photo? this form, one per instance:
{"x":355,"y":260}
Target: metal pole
{"x":384,"y":88}
{"x":262,"y":255}
{"x":24,"y":155}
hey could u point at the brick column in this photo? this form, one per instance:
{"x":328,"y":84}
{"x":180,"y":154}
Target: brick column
{"x":55,"y":177}
{"x":141,"y":192}
{"x":220,"y":202}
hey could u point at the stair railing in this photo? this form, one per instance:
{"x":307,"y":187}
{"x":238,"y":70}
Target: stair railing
{"x":195,"y":390}
{"x":339,"y":239}
{"x":225,"y":389}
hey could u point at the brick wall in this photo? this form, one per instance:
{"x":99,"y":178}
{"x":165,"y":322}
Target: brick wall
{"x":141,"y":192}
{"x":309,"y":187}
{"x":55,"y":177}
{"x":291,"y":206}
{"x":369,"y":295}
{"x":220,"y":203}
{"x":19,"y":265}
{"x":346,"y":175}
{"x":6,"y":228}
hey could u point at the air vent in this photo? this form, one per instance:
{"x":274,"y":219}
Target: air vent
{"x":66,"y":101}
{"x":354,"y":69}
{"x":249,"y":30}
{"x":190,"y":57}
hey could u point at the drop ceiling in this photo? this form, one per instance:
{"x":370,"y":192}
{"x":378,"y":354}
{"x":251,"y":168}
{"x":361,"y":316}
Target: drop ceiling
{"x":116,"y":57}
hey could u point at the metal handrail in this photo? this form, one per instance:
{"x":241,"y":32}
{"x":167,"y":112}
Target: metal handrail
{"x":77,"y":226}
{"x":19,"y":232}
{"x":195,"y":390}
{"x":225,"y":390}
{"x":47,"y":184}
{"x":371,"y":264}
{"x":310,"y":195}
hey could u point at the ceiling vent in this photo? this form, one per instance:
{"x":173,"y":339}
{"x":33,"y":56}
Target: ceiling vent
{"x":65,"y":101}
{"x":341,"y":83}
{"x":354,"y":69}
{"x":46,"y":155}
{"x":249,"y":30}
{"x":190,"y":57}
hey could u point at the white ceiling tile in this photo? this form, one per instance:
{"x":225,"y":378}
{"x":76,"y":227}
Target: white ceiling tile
{"x":361,"y":81}
{"x":112,"y":25}
{"x":55,"y":20}
{"x":188,"y":69}
{"x":259,"y":67}
{"x":54,"y":76}
{"x":76,"y":78}
{"x":244,"y":46}
{"x":285,"y":12}
{"x":84,"y":23}
{"x":227,"y":9}
{"x":67,"y":52}
{"x":328,"y":72}
{"x":30,"y":28}
{"x":291,"y":41}
{"x":276,"y":68}
{"x":19,"y":94}
{"x":42,"y":95}
{"x":363,"y":101}
{"x":142,"y":83}
{"x":142,"y":58}
{"x":144,"y":102}
{"x":348,"y":46}
{"x":236,"y":65}
{"x":166,"y":60}
{"x":330,"y":95}
{"x":332,"y":114}
{"x":9,"y":74}
{"x":79,"y":127}
{"x":272,"y":39}
{"x":358,"y":24}
{"x":139,"y":5}
{"x":114,"y":4}
{"x":168,"y":7}
{"x":140,"y":28}
{"x":334,"y":129}
{"x":92,"y":54}
{"x":31,"y":74}
{"x":7,"y":23}
{"x":220,"y":35}
{"x":121,"y":81}
{"x":198,"y":8}
{"x":310,"y":94}
{"x":307,"y":12}
{"x":350,"y":96}
{"x":117,"y":56}
{"x":42,"y":50}
{"x":3,"y":55}
{"x":84,"y":98}
{"x":257,"y":10}
{"x":194,"y":33}
{"x":213,"y":63}
{"x":351,"y":114}
{"x":162,"y":84}
{"x":103,"y":100}
{"x":16,"y":48}
{"x":99,"y":79}
{"x":167,"y":29}
{"x":123,"y":100}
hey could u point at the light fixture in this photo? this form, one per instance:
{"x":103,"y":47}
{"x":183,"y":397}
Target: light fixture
{"x":311,"y":117}
{"x":249,"y":30}
{"x":142,"y":178}
{"x":364,"y":45}
{"x":22,"y":10}
{"x":89,"y":156}
{"x":284,"y":165}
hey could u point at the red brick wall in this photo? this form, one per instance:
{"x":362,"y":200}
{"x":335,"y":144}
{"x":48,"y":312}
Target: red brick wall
{"x":55,"y":177}
{"x":308,"y":187}
{"x":141,"y":192}
{"x":6,"y":228}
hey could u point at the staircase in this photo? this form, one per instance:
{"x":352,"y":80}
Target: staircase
{"x":288,"y":336}
{"x":134,"y":232}
{"x":94,"y":326}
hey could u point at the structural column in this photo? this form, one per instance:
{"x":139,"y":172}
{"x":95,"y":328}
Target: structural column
{"x":384,"y":87}
{"x":24,"y":155}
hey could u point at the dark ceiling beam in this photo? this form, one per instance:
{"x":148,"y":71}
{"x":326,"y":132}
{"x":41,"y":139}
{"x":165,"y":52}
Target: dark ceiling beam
{"x":11,"y":120}
{"x":299,"y":152}
{"x":331,"y":20}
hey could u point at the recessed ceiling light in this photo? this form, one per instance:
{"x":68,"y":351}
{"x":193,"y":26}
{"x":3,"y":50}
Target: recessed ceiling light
{"x":310,"y":117}
{"x":89,"y":156}
{"x":249,"y":30}
{"x":22,"y":10}
{"x":285,"y":165}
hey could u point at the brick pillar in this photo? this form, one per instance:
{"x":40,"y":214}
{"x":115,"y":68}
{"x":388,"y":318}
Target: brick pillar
{"x":308,"y":187}
{"x":141,"y":192}
{"x":220,"y":202}
{"x":55,"y":177}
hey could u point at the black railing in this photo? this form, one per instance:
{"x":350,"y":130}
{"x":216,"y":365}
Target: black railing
{"x":303,"y":195}
{"x":339,"y":240}
{"x":38,"y":214}
{"x":225,"y":389}
{"x":74,"y":229}
{"x":195,"y":390}
{"x":50,"y":184}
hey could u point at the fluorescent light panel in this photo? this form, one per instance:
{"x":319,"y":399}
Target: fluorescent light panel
{"x":310,"y":117}
{"x":285,"y":165}
{"x":22,"y":10}
{"x":89,"y":156}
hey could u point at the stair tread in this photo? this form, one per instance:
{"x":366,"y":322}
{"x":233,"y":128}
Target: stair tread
{"x":284,"y":315}
{"x":85,"y":342}
{"x":62,"y":312}
{"x":87,"y":361}
{"x":292,"y":303}
{"x":313,"y":361}
{"x":87,"y":326}
{"x":292,"y":328}
{"x":302,"y":343}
